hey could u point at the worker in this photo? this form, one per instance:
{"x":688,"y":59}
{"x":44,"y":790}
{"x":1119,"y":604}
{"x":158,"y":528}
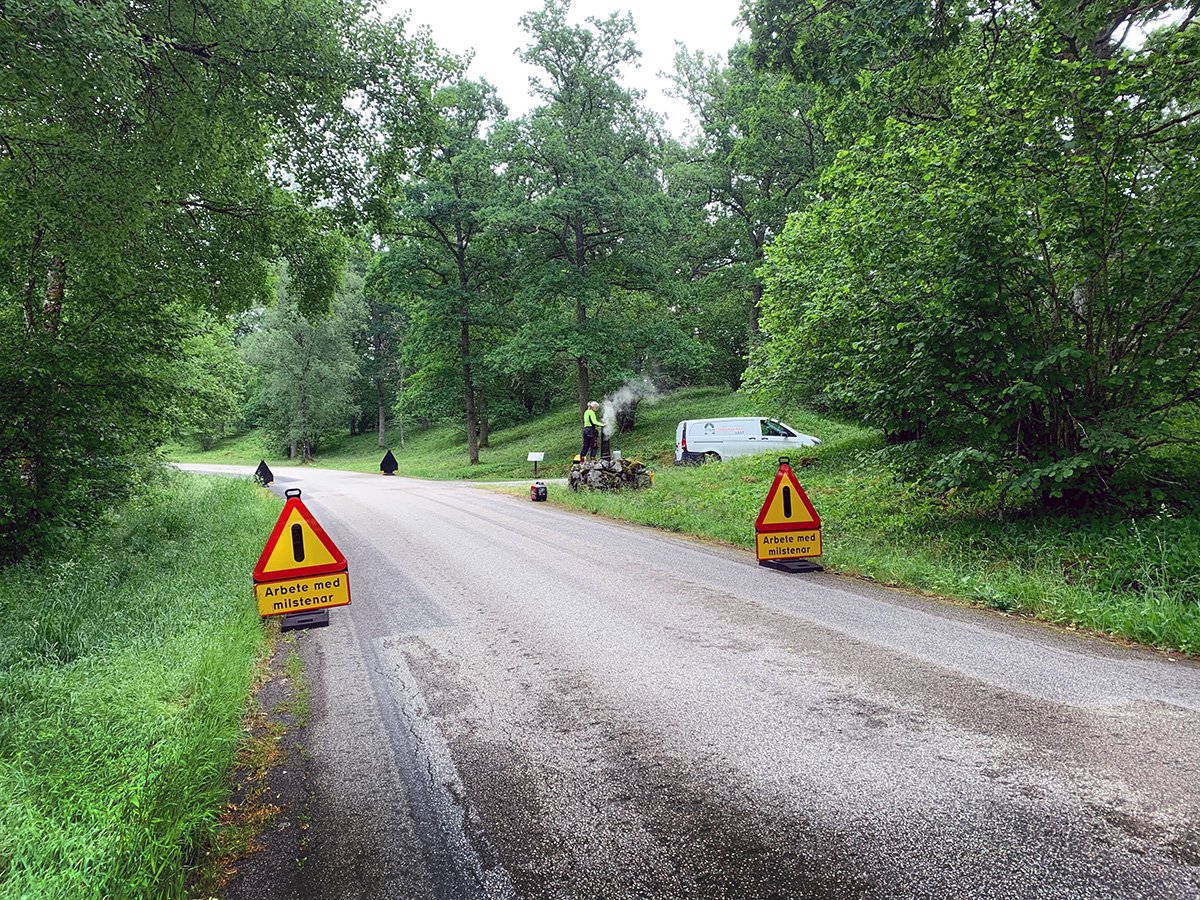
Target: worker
{"x":591,"y":431}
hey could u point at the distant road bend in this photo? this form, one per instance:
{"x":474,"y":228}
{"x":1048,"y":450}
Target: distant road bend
{"x":527,"y":702}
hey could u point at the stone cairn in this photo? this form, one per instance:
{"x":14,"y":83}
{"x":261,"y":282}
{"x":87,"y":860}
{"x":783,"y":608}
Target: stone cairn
{"x":609,"y":475}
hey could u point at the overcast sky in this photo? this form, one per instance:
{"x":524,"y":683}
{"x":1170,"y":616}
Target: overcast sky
{"x":491,"y":29}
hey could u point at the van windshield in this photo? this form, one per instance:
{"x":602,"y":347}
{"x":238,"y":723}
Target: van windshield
{"x":775,"y":429}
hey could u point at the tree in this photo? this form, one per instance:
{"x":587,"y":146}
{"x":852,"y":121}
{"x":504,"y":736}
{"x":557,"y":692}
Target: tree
{"x":1007,"y":260}
{"x":305,"y":366}
{"x":155,"y":159}
{"x":445,"y":249}
{"x":211,"y":379}
{"x":592,"y":212}
{"x":379,"y":343}
{"x":760,"y":146}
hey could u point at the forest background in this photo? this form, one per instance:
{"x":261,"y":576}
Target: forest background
{"x":972,"y":227}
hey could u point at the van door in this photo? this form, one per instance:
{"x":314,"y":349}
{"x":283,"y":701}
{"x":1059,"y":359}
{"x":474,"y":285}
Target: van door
{"x":775,"y":436}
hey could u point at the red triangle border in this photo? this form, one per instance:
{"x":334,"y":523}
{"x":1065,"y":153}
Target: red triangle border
{"x":339,"y":561}
{"x":785,"y":471}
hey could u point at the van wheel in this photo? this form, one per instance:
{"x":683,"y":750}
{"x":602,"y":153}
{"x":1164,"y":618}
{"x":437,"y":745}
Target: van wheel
{"x":711,"y":457}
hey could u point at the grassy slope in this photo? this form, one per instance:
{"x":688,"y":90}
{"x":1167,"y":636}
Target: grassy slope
{"x":440,"y":452}
{"x":1137,"y":577}
{"x":125,"y":662}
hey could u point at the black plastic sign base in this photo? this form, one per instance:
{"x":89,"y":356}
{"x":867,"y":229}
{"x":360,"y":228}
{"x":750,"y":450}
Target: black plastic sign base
{"x":317,"y":618}
{"x":792,"y":566}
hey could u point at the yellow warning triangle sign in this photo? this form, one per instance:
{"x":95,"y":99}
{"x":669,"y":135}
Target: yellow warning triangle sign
{"x":787,"y":507}
{"x":298,"y":546}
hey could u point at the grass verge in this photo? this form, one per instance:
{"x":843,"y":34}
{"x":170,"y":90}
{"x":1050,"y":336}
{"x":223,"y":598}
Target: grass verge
{"x":1133,"y":576}
{"x":280,"y":704}
{"x":125,"y":665}
{"x":440,"y":452}
{"x":1137,"y":576}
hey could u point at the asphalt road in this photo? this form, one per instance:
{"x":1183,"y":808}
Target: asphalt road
{"x":524,"y":701}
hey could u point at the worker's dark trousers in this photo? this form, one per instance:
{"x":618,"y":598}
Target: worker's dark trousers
{"x":590,"y":444}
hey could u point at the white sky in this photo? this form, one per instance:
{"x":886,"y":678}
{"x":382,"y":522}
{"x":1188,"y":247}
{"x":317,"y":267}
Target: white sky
{"x":491,"y":29}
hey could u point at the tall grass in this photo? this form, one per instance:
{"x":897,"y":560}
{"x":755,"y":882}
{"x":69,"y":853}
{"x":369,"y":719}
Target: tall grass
{"x":125,"y":662}
{"x":1137,"y":576}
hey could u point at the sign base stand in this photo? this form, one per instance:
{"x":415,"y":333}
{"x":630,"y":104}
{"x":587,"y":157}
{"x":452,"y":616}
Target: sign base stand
{"x":792,"y":566}
{"x":317,"y":618}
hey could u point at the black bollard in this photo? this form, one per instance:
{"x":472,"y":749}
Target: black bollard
{"x":389,"y":464}
{"x":263,"y":473}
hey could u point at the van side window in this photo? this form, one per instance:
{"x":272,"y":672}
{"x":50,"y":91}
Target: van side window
{"x":774,"y":429}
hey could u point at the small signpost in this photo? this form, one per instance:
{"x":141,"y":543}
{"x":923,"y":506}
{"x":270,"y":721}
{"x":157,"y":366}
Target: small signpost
{"x":535,"y":457}
{"x":301,"y":572}
{"x":388,"y":465}
{"x":787,"y":534}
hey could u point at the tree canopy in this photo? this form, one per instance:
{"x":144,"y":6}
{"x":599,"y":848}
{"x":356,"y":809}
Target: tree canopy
{"x":1004,"y":256}
{"x":973,"y":227}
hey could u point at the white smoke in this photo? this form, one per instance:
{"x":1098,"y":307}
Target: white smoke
{"x":639,"y":389}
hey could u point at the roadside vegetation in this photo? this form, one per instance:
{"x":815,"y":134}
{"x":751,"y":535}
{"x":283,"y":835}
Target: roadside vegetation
{"x":1128,"y":569}
{"x":971,"y":235}
{"x":125,"y":662}
{"x":437,"y":452}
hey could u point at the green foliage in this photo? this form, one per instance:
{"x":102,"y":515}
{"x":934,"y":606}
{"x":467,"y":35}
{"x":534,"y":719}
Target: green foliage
{"x":447,"y":258}
{"x":592,"y":216}
{"x":756,"y":158}
{"x":210,"y":379}
{"x":124,"y":669}
{"x":155,"y":159}
{"x":1132,"y":576}
{"x":1005,"y":257}
{"x":305,"y":366}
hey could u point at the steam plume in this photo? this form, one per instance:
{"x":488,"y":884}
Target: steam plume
{"x":630,"y":393}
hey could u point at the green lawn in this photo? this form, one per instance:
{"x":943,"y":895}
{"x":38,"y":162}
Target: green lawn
{"x":441,"y":452}
{"x":1135,"y":576}
{"x":126,"y":659}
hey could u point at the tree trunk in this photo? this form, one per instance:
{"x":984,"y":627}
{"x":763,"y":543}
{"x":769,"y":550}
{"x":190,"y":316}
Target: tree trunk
{"x":292,"y":449}
{"x":33,"y":465}
{"x":31,"y":281}
{"x":756,"y":290}
{"x":380,"y":403}
{"x":56,"y":279}
{"x":464,"y":349}
{"x":399,"y":414}
{"x":581,"y":363}
{"x":483,"y":420}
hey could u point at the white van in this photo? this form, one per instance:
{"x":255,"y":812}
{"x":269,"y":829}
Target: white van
{"x":698,"y":440}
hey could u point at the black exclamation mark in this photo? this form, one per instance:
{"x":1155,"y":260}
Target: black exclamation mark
{"x":787,"y":507}
{"x":298,"y":541}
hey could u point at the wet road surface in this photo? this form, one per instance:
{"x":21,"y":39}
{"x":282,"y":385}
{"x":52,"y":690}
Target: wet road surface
{"x":527,"y":702}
